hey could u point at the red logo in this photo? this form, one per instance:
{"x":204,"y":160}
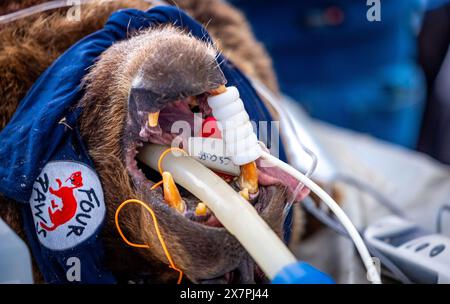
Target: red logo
{"x":68,"y":210}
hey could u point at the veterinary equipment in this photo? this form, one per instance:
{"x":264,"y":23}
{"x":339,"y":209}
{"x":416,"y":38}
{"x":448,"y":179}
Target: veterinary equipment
{"x":227,"y":107}
{"x":240,"y":140}
{"x":234,"y":212}
{"x":302,"y":154}
{"x":397,"y":263}
{"x":327,"y":173}
{"x":423,"y":256}
{"x":441,"y":212}
{"x":15,"y":260}
{"x":211,"y":152}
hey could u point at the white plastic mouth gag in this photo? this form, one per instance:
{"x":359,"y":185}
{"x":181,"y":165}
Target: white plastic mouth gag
{"x":240,"y":140}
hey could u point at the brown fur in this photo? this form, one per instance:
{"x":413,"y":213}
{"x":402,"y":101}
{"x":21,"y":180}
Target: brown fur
{"x":29,"y":45}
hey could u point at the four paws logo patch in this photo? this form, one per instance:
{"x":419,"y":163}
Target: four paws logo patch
{"x":67,"y":204}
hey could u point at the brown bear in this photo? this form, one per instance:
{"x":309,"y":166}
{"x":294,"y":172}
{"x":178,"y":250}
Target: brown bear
{"x":179,"y":68}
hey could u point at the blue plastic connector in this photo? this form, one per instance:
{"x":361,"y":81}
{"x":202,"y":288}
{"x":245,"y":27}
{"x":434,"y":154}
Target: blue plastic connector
{"x":301,"y":273}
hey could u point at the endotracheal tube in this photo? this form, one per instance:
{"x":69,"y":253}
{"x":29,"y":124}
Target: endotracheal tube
{"x":243,"y":146}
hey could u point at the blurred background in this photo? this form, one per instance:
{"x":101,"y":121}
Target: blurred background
{"x":389,"y":79}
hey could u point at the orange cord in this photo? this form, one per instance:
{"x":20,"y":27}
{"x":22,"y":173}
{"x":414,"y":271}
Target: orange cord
{"x":155,"y":221}
{"x":158,"y":232}
{"x":156,"y":185}
{"x":161,"y":157}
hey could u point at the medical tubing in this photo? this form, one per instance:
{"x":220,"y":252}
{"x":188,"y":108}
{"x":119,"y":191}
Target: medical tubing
{"x":42,"y":7}
{"x":158,"y":233}
{"x":364,"y":187}
{"x":440,"y":214}
{"x":239,"y":137}
{"x":388,"y":264}
{"x":372,"y":272}
{"x":235,"y":213}
{"x":244,"y":147}
{"x":337,"y":227}
{"x":275,"y":103}
{"x":56,"y":4}
{"x":323,"y":217}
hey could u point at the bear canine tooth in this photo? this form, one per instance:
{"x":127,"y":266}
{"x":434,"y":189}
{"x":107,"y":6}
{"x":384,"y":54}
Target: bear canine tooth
{"x":220,"y":89}
{"x":249,"y":178}
{"x":244,"y":193}
{"x":171,"y":194}
{"x":153,"y":119}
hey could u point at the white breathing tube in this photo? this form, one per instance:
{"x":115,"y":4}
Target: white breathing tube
{"x":55,"y":4}
{"x":42,"y":7}
{"x":237,"y":215}
{"x":372,"y":272}
{"x":229,"y":110}
{"x":288,"y":124}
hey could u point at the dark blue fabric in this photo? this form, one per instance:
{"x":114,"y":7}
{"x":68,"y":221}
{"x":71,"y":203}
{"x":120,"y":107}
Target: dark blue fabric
{"x":54,"y":265}
{"x":34,"y":135}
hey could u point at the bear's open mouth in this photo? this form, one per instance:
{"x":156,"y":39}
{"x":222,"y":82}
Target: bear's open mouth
{"x":148,"y":84}
{"x":164,"y":132}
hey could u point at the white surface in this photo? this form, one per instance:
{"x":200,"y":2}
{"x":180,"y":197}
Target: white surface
{"x":15,"y":259}
{"x":415,"y":182}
